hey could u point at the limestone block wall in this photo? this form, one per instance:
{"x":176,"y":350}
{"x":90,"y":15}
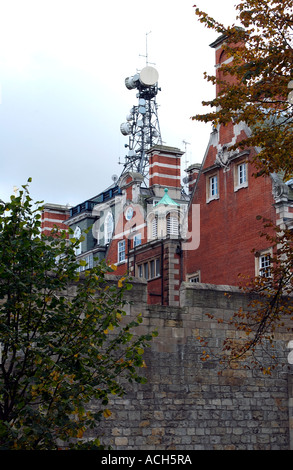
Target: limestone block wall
{"x":186,"y":404}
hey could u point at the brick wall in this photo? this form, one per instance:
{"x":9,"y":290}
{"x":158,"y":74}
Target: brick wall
{"x":54,"y":215}
{"x":229,"y":229}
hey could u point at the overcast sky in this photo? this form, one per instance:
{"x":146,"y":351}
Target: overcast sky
{"x":63,"y":65}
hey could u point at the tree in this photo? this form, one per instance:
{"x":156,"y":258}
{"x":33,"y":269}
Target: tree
{"x":64,"y":341}
{"x":253,"y":88}
{"x":269,"y":310}
{"x":262,"y":69}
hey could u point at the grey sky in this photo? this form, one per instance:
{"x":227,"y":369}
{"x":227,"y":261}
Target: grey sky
{"x":62,"y":70}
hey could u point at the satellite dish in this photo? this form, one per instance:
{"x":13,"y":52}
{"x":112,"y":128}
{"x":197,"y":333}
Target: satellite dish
{"x":148,"y":76}
{"x":130,"y":82}
{"x":125,"y":128}
{"x":115,"y":178}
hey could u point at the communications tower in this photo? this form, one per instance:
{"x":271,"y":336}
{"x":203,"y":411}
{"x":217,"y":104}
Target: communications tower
{"x":142,"y":124}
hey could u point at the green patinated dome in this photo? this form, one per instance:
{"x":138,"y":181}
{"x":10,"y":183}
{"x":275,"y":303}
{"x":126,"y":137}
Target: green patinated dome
{"x":166,"y":200}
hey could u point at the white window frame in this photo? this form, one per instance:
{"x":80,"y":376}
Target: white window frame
{"x":137,"y":240}
{"x":121,"y":251}
{"x":89,"y":259}
{"x":109,"y":226}
{"x":263,"y":264}
{"x":149,"y":269}
{"x":240,"y":176}
{"x":155,"y":227}
{"x":194,"y":278}
{"x":172,"y":225}
{"x":212,"y":187}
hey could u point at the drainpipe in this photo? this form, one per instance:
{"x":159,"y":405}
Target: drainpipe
{"x":128,"y":248}
{"x":180,"y":253}
{"x":162,"y":272}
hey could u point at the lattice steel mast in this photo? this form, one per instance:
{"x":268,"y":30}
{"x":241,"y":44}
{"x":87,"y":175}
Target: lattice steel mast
{"x":142,"y":124}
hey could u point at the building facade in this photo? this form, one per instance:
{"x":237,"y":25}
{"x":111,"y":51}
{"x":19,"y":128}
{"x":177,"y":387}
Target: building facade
{"x":159,"y":233}
{"x":232,"y":203}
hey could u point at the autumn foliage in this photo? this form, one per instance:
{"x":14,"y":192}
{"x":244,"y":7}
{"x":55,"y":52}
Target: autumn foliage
{"x":262,"y":66}
{"x":253,"y":88}
{"x":65,"y":341}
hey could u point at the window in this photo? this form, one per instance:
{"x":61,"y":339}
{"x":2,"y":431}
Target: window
{"x":140,"y":270}
{"x":240,"y":176}
{"x":121,"y":251}
{"x":155,"y":227}
{"x":263,"y":263}
{"x":158,"y":270}
{"x":172,"y":225}
{"x":212,"y":187}
{"x":146,"y":270}
{"x":108,"y":227}
{"x":194,"y":277}
{"x":152,"y":269}
{"x":137,"y":240}
{"x":149,"y":269}
{"x":87,"y":263}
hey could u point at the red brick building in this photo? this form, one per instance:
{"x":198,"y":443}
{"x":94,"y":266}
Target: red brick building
{"x":148,"y":226}
{"x":231,"y":198}
{"x":54,"y":215}
{"x":144,"y":230}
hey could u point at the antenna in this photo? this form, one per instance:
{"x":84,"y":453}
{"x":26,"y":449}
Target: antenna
{"x":142,"y":123}
{"x":146,"y":51}
{"x":185,"y":144}
{"x":115,"y":178}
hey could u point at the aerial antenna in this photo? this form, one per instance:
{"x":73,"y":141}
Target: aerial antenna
{"x":115,"y":178}
{"x":185,"y":144}
{"x":146,"y":51}
{"x":142,"y":122}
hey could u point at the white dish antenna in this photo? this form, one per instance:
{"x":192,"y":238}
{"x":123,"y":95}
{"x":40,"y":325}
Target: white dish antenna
{"x":148,"y":76}
{"x":115,"y":178}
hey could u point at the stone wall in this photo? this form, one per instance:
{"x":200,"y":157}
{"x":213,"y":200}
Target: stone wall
{"x":186,"y":404}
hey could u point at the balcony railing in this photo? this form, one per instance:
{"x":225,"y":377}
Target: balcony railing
{"x":90,"y":204}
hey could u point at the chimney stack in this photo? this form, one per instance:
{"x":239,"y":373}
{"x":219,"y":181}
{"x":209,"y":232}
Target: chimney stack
{"x":165,"y":170}
{"x":192,"y":175}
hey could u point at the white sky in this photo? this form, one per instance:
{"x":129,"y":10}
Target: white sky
{"x":63,"y":65}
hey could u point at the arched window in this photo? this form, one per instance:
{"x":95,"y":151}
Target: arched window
{"x":77,"y":235}
{"x":172,"y":224}
{"x":108,"y":227}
